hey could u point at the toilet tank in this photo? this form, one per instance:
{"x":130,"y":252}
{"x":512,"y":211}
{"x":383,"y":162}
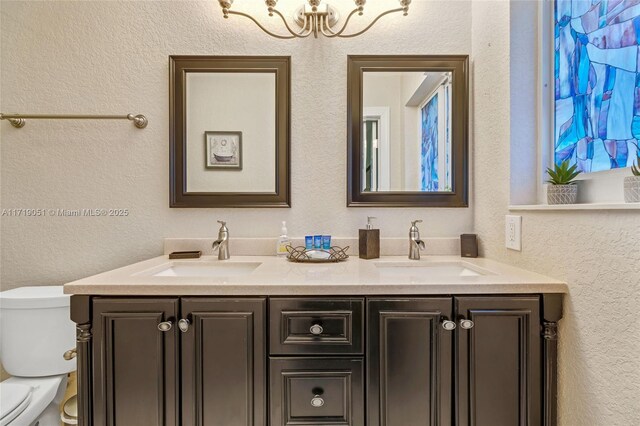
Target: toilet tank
{"x":35,"y":331}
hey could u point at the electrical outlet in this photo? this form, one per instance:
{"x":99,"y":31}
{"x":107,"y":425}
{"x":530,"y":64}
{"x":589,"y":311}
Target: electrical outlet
{"x":513,"y":232}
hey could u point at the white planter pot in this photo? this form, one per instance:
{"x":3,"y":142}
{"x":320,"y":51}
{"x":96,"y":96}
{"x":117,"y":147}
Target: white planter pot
{"x":562,"y":194}
{"x":632,"y":189}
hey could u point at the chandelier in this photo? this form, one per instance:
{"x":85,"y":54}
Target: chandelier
{"x":315,"y":18}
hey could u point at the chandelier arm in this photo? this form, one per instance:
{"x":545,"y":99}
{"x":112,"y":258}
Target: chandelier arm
{"x":272,"y":34}
{"x":401,"y":9}
{"x":325,"y":29}
{"x":323,"y":25}
{"x":300,"y":34}
{"x":304,"y":26}
{"x":330,"y":33}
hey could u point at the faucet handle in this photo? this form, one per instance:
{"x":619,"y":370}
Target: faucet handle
{"x":222,"y":222}
{"x":413,"y":222}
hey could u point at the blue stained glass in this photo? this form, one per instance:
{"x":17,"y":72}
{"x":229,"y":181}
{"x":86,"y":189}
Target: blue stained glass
{"x":597,"y":83}
{"x":447,"y":137}
{"x":429,"y":151}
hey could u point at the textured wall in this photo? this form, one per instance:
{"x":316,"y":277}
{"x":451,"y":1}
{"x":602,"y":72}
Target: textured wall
{"x":112,"y":57}
{"x":595,"y":252}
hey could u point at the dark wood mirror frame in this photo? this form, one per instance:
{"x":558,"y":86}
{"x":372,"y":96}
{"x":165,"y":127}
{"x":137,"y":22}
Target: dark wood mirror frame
{"x":458,"y":65}
{"x":179,"y":66}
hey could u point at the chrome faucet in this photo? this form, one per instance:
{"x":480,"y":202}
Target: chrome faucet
{"x":222,"y":243}
{"x":415,"y":243}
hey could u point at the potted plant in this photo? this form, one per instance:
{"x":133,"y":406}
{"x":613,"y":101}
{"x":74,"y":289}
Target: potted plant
{"x":632,"y":183}
{"x":562,"y":188}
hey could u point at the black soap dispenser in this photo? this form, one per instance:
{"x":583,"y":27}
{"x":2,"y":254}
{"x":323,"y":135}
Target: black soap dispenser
{"x":369,"y":244}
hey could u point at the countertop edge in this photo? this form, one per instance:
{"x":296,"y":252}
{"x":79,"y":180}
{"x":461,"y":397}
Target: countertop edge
{"x":305,"y":290}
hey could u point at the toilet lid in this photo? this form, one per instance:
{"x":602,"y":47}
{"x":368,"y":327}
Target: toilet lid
{"x":14,"y":398}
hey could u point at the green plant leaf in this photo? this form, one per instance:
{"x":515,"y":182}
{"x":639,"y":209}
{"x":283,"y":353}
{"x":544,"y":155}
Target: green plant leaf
{"x":563,"y":173}
{"x":635,"y":168}
{"x":572,"y":176}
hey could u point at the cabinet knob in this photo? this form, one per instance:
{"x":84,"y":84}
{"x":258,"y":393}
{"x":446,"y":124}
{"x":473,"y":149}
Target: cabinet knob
{"x":316,"y":329}
{"x":184,"y":324}
{"x":317,"y":401}
{"x":466,"y":324}
{"x":165,"y":326}
{"x":448,"y":325}
{"x":70,"y":354}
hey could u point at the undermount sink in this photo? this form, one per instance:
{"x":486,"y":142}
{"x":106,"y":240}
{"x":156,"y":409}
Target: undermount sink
{"x":413,"y":268}
{"x":205,"y":269}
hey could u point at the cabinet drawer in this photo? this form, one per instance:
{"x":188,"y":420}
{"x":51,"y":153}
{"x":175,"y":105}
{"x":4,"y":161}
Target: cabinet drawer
{"x":316,"y":326}
{"x":317,"y":391}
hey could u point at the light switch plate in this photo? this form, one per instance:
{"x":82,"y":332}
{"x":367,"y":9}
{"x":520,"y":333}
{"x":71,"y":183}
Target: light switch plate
{"x":513,"y":232}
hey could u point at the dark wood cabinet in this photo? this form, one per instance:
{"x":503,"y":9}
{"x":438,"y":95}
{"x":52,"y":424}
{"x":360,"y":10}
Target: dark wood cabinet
{"x":349,"y":361}
{"x":224,"y":362}
{"x":499,"y":369}
{"x":409,"y":362}
{"x":135,"y":365}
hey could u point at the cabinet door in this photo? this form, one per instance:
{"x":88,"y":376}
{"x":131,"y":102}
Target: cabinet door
{"x":135,"y":364}
{"x":224,"y":362}
{"x":409,"y":362}
{"x":499,"y":370}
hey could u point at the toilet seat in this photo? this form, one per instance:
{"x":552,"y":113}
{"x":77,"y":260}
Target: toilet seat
{"x":14,"y":398}
{"x":43,"y":391}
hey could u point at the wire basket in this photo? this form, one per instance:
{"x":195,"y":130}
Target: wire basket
{"x":302,"y":255}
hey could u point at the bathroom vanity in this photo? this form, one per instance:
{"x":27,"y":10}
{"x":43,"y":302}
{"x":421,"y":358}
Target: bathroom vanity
{"x":262,"y":341}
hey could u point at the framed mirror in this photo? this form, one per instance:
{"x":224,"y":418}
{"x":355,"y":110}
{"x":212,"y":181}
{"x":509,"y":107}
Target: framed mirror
{"x":229,"y":131}
{"x":408,"y":131}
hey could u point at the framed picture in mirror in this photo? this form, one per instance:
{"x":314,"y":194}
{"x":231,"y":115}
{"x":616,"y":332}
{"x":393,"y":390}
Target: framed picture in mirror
{"x":223,"y":150}
{"x":407,"y":131}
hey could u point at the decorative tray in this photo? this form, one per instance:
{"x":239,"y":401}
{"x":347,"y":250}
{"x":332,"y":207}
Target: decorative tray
{"x":332,"y":255}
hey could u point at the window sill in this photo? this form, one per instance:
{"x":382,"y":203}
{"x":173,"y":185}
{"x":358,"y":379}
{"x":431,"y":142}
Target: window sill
{"x":585,"y":206}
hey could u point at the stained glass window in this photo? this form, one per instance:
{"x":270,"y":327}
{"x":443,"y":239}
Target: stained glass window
{"x":597,"y":83}
{"x":429,"y":157}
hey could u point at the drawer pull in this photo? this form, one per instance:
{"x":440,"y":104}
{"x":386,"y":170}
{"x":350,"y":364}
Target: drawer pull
{"x":317,"y":401}
{"x":316,"y":329}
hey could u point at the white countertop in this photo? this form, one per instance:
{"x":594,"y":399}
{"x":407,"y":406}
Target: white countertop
{"x":278,"y":276}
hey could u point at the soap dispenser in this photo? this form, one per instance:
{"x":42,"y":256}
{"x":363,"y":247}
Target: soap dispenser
{"x":369,"y":244}
{"x":283,"y":241}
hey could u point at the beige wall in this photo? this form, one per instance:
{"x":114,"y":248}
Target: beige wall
{"x":112,"y":57}
{"x":597,"y":253}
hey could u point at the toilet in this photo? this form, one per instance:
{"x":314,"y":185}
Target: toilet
{"x":35,"y":332}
